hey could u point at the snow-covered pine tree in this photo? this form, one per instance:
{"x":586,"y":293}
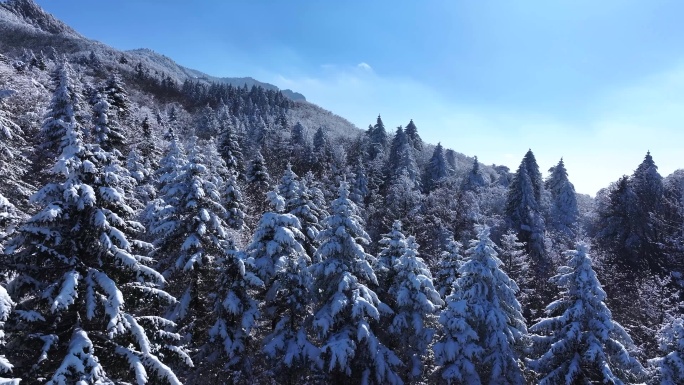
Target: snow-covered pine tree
{"x":402,"y":160}
{"x":117,"y":96}
{"x":283,"y":265}
{"x":646,"y":243}
{"x":402,"y":201}
{"x":415,"y":303}
{"x":658,"y":303}
{"x":524,"y":214}
{"x":378,"y":139}
{"x":482,"y":325}
{"x":348,"y":311}
{"x":360,"y":188}
{"x":393,"y":246}
{"x":474,"y":179}
{"x":449,"y":264}
{"x":9,"y":218}
{"x":516,"y":265}
{"x":13,"y":164}
{"x":564,"y":214}
{"x":216,"y":167}
{"x":321,"y":160}
{"x":226,"y":353}
{"x":80,"y":281}
{"x":148,"y":145}
{"x":299,"y":200}
{"x":669,"y":368}
{"x":6,"y":306}
{"x":190,"y":235}
{"x":259,"y":182}
{"x":144,"y":190}
{"x":106,"y":132}
{"x":61,"y":113}
{"x":207,"y":125}
{"x":458,"y":351}
{"x":169,"y":170}
{"x":230,"y":151}
{"x":436,"y":170}
{"x":579,"y":342}
{"x":413,"y":137}
{"x":232,"y":200}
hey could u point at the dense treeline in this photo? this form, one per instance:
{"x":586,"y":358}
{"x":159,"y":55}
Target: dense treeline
{"x":200,"y":235}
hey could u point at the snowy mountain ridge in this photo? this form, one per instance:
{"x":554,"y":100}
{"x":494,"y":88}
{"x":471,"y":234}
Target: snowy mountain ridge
{"x":25,"y":25}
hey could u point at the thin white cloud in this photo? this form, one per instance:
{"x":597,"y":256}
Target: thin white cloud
{"x":364,"y":66}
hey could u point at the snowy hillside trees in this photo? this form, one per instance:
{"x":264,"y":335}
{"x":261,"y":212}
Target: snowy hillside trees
{"x":13,"y":163}
{"x":283,"y":265}
{"x":482,"y":328}
{"x":524,"y":212}
{"x":564,"y":214}
{"x":669,"y":369}
{"x":6,"y":306}
{"x":80,"y":275}
{"x":579,"y":342}
{"x":348,"y":311}
{"x":415,"y":303}
{"x":62,"y":111}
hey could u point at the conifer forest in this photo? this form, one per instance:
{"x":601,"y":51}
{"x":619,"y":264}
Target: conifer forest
{"x":163,"y":227}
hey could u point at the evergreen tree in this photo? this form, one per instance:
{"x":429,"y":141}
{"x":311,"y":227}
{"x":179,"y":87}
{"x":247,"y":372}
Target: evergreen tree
{"x":61,"y":113}
{"x":393,"y":247}
{"x":282,"y":264}
{"x":224,"y":352}
{"x":148,"y":145}
{"x":299,"y":201}
{"x":190,"y":235}
{"x":6,"y":306}
{"x":233,"y":202}
{"x":474,"y":180}
{"x":647,"y":185}
{"x":399,"y":143}
{"x":615,"y":227}
{"x":523,"y":211}
{"x":669,"y":369}
{"x":257,"y":174}
{"x":117,"y":96}
{"x":106,"y":132}
{"x":449,"y":264}
{"x":9,"y":218}
{"x":13,"y":164}
{"x":413,"y":137}
{"x":450,"y":156}
{"x":80,"y":280}
{"x":564,"y":214}
{"x":436,"y":170}
{"x":348,"y":311}
{"x":415,"y":302}
{"x":144,"y":190}
{"x":579,"y":342}
{"x":533,"y":173}
{"x":230,"y":151}
{"x":378,"y":139}
{"x":300,"y":149}
{"x":360,"y":188}
{"x":516,"y":265}
{"x":207,"y":125}
{"x":482,"y":325}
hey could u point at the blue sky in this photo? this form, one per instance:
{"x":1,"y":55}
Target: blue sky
{"x":595,"y":82}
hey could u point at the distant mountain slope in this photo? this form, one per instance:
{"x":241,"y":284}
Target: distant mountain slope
{"x":24,"y":25}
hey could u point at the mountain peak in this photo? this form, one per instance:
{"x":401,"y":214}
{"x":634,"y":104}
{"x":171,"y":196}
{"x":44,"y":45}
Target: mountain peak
{"x":33,"y":14}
